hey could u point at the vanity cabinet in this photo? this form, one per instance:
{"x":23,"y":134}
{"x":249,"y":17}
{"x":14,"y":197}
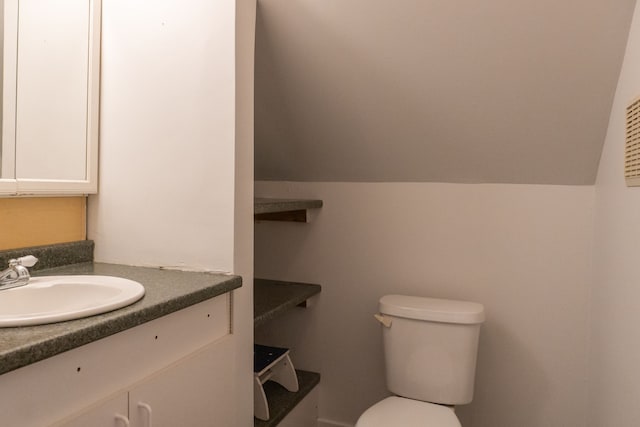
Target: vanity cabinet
{"x":273,"y":298}
{"x":193,"y":392}
{"x":179,"y":366}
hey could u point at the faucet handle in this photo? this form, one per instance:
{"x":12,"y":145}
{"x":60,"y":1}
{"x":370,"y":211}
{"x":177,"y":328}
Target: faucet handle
{"x":27,"y":261}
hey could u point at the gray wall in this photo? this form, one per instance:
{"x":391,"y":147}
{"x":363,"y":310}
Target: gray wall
{"x":426,"y":90}
{"x":615,"y":313}
{"x":497,"y":244}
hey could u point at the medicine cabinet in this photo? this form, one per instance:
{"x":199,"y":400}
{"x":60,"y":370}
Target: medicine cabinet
{"x":50,"y":97}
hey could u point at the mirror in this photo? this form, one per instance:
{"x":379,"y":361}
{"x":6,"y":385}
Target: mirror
{"x":50,"y":88}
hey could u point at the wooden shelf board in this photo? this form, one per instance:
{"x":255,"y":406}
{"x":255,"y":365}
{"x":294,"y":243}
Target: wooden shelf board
{"x":274,"y":297}
{"x":266,"y":209}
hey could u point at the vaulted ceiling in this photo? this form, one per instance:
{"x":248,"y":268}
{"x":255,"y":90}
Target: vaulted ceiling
{"x":504,"y":91}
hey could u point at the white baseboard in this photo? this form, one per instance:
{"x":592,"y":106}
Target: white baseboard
{"x":328,"y":423}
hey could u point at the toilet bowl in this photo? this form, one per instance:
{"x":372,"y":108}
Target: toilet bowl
{"x":430,"y":349}
{"x":402,"y":412}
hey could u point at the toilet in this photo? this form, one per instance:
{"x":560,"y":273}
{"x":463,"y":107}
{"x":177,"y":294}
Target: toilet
{"x":430,"y":349}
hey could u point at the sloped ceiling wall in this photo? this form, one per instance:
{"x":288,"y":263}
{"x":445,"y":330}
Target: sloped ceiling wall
{"x":498,"y":91}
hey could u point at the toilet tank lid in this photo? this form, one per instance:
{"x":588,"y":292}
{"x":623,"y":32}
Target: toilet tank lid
{"x":432,"y":309}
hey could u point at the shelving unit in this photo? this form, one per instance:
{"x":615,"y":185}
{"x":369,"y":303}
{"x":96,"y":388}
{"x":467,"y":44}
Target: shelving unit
{"x":271,"y":299}
{"x":275,"y":297}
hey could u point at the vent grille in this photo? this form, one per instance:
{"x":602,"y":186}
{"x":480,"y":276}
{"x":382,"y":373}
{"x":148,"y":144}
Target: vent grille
{"x":632,"y":146}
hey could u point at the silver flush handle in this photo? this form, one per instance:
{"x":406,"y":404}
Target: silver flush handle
{"x":386,"y":321}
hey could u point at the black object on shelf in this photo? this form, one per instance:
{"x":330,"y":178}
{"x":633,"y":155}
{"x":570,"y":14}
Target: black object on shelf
{"x":264,"y":356}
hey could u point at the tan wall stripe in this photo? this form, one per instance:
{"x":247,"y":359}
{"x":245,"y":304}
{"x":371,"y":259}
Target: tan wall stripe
{"x":41,"y":221}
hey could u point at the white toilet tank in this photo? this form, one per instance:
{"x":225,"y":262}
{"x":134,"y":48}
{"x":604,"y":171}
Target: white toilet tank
{"x":430,"y":347}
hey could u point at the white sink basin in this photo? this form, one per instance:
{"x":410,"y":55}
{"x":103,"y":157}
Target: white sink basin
{"x":50,"y":299}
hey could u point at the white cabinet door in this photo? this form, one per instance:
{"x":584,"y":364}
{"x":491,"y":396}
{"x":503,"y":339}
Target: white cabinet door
{"x":111,"y":412}
{"x":196,"y":391}
{"x":50,"y":87}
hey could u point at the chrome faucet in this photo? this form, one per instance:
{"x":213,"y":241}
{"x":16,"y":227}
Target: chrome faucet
{"x":17,"y":274}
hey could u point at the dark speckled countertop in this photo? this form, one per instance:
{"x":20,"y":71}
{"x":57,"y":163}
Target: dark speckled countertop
{"x":271,"y":298}
{"x":166,"y":291}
